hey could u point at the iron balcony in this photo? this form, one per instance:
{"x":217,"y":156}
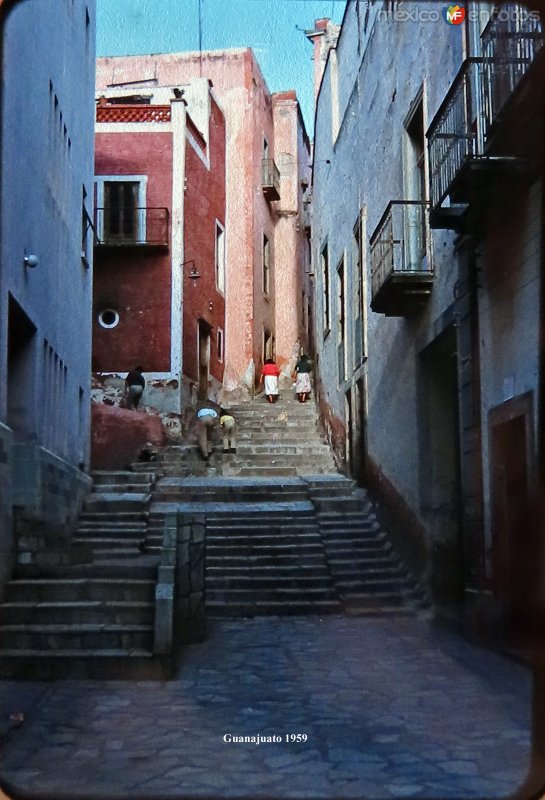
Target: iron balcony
{"x":132,"y":227}
{"x":270,"y":179}
{"x":484,"y":122}
{"x":401,"y":261}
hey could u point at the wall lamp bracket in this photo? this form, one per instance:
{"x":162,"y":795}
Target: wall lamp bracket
{"x":31,"y":261}
{"x":194,"y":275}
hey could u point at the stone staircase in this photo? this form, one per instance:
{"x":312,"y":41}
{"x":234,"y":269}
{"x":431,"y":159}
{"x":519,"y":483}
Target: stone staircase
{"x":94,"y":618}
{"x":285,"y":534}
{"x":277,"y":439}
{"x":368,"y":574}
{"x":291,"y":545}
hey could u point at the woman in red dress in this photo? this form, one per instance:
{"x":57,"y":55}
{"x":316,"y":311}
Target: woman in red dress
{"x":269,"y":375}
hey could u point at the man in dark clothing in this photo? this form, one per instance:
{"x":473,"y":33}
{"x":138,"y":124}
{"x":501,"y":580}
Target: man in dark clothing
{"x":135,"y":384}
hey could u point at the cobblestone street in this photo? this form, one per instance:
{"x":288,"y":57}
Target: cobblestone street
{"x":390,"y":708}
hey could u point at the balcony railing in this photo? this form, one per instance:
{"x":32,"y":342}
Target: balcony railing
{"x":270,"y":179}
{"x":510,"y":43}
{"x":401,"y":263}
{"x":454,"y":132}
{"x":466,"y":126}
{"x":132,"y":227}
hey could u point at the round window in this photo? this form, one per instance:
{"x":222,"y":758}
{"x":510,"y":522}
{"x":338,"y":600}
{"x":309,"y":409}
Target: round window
{"x":108,"y":318}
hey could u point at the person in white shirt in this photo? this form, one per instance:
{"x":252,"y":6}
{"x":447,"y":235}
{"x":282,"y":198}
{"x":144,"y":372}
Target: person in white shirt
{"x":206,"y":419}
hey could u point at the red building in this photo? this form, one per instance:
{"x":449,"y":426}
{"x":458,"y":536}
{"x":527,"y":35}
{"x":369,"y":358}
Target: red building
{"x":159,"y":287}
{"x":267,"y":293}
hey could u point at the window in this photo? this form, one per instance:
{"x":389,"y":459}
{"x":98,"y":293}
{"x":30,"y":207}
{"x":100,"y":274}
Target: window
{"x":121,"y":208}
{"x":220,"y":257}
{"x":341,"y":322}
{"x":86,"y":228}
{"x":108,"y":318}
{"x":415,"y":149}
{"x":334,"y":86}
{"x":415,"y":186}
{"x":220,"y":345}
{"x":266,"y":265}
{"x":268,"y":344}
{"x":324,"y":260}
{"x":357,"y":265}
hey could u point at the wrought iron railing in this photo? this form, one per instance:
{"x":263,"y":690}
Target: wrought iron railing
{"x":400,"y":244}
{"x":270,"y":176}
{"x":454,"y":135}
{"x":126,"y":226}
{"x":462,"y":128}
{"x":510,"y":43}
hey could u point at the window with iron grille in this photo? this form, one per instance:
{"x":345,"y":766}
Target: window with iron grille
{"x":266,"y":265}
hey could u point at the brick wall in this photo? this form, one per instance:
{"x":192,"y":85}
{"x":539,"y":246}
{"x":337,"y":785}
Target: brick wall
{"x":204,"y":204}
{"x":135,"y":284}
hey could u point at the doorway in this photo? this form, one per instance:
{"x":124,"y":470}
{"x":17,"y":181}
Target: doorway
{"x":203,"y":360}
{"x":359,"y":446}
{"x":349,"y":447}
{"x":440,"y":470}
{"x":514,"y":545}
{"x":21,"y":372}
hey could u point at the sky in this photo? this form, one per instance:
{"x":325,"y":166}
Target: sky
{"x":272,"y":28}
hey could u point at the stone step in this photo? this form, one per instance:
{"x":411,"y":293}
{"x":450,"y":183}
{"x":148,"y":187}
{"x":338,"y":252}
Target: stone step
{"x":68,"y":637}
{"x":113,"y":488}
{"x":365,"y":571}
{"x":72,"y":612}
{"x":259,"y":528}
{"x":114,"y":503}
{"x":300,"y":550}
{"x":272,"y":540}
{"x":75,"y":589}
{"x":78,"y":663}
{"x":276,"y":458}
{"x":370,"y":585}
{"x":122,"y":477}
{"x":363,"y":552}
{"x":116,"y":517}
{"x":272,"y":594}
{"x":266,"y":560}
{"x":260,"y":471}
{"x":189,"y":495}
{"x":218,"y":569}
{"x":90,"y":531}
{"x":287,"y":448}
{"x":266,"y":585}
{"x":215,"y":609}
{"x":110,"y":543}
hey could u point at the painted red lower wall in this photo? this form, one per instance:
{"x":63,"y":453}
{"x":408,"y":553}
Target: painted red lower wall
{"x":118,"y":435}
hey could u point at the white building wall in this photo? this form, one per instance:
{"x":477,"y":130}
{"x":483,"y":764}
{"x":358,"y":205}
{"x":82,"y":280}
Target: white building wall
{"x":361,"y":168}
{"x":509,"y":314}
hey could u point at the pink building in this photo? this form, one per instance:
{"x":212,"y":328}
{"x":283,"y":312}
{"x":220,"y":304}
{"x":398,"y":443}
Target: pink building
{"x":159,"y":289}
{"x":266,"y":234}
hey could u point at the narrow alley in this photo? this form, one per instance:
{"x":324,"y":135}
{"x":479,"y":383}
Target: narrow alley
{"x":272,"y":418}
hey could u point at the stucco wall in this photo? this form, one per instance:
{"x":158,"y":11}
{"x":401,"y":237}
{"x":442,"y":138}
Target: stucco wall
{"x":360,"y":169}
{"x":135,"y":284}
{"x":204,"y":204}
{"x":509,"y":312}
{"x":47,"y":163}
